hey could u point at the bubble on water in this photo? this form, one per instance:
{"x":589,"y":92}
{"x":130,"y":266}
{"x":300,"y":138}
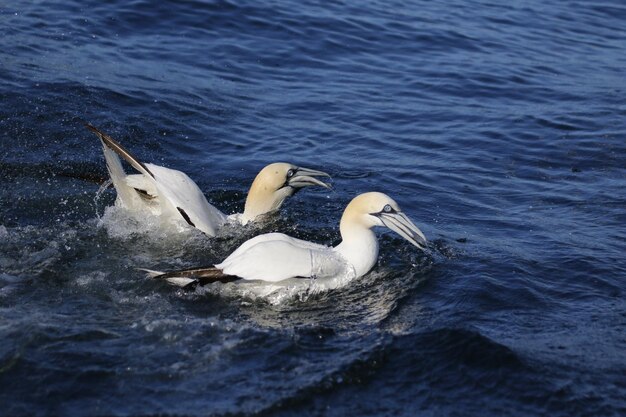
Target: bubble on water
{"x":91,"y":278}
{"x":100,"y":192}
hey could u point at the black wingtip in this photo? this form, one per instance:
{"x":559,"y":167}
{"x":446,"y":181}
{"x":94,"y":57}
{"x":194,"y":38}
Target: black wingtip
{"x":185,"y":216}
{"x":201,"y":276}
{"x":92,"y":128}
{"x":119,"y":149}
{"x":191,"y":286}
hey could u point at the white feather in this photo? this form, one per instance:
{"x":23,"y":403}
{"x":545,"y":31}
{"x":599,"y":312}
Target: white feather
{"x":275,"y":257}
{"x":142,"y":182}
{"x":172,"y":190}
{"x":174,"y":196}
{"x":127,"y":197}
{"x":180,"y":282}
{"x":151,"y":273}
{"x":179,"y":191}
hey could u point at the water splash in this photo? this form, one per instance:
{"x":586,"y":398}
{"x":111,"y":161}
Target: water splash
{"x":277,"y":293}
{"x":124,"y":224}
{"x":100,"y":192}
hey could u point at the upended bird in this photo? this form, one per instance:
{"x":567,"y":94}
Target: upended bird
{"x":171,"y":194}
{"x":275,"y":257}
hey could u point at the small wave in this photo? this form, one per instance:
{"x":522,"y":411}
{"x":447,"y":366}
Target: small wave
{"x":28,"y":251}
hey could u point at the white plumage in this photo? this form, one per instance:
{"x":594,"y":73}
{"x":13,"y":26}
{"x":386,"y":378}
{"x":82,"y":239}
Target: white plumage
{"x":172,"y":195}
{"x":276,"y":257}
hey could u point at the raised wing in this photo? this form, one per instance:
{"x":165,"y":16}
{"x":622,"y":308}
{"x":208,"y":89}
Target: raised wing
{"x":162,"y":190}
{"x":126,"y":194}
{"x":184,"y":196}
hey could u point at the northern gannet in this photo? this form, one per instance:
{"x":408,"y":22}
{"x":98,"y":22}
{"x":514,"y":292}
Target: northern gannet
{"x":172,"y":194}
{"x":274,"y":257}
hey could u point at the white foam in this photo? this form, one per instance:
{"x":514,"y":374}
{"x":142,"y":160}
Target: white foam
{"x":295,"y":289}
{"x":91,"y":278}
{"x":124,"y":224}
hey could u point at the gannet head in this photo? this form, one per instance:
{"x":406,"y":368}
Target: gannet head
{"x":274,"y":184}
{"x":377,"y":209}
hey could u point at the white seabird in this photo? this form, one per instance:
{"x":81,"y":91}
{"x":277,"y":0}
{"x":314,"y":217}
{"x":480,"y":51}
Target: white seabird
{"x":274,"y":257}
{"x":171,"y":194}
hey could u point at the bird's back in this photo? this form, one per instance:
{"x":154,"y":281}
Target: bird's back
{"x":275,"y":257}
{"x":183,"y":195}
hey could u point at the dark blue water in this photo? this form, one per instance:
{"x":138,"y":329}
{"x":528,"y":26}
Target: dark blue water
{"x":499,"y":128}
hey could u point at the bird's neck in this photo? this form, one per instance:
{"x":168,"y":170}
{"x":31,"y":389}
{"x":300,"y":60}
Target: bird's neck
{"x":261,"y":200}
{"x":359,"y":247}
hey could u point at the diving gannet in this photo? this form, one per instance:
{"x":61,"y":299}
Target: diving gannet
{"x":172,"y":194}
{"x":274,"y":257}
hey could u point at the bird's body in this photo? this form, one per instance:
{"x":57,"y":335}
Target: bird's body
{"x":275,"y":257}
{"x":172,"y":195}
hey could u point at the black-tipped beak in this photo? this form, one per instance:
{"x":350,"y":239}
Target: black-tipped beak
{"x":402,"y":225}
{"x":304,"y":177}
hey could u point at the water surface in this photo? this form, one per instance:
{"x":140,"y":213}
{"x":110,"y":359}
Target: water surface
{"x":498,"y":128}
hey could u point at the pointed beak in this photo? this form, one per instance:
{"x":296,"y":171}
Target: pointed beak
{"x":402,"y":225}
{"x":305,"y":177}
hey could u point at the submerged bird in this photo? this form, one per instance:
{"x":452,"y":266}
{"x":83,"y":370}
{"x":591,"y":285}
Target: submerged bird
{"x":275,"y":257}
{"x":172,"y":194}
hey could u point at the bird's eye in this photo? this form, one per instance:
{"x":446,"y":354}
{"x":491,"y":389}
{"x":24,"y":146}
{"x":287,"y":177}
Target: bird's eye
{"x":387,"y":208}
{"x":290,"y":173}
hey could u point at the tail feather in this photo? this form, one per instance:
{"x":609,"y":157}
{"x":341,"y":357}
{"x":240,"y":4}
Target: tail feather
{"x":151,"y":273}
{"x":187,"y":283}
{"x":190,"y":278}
